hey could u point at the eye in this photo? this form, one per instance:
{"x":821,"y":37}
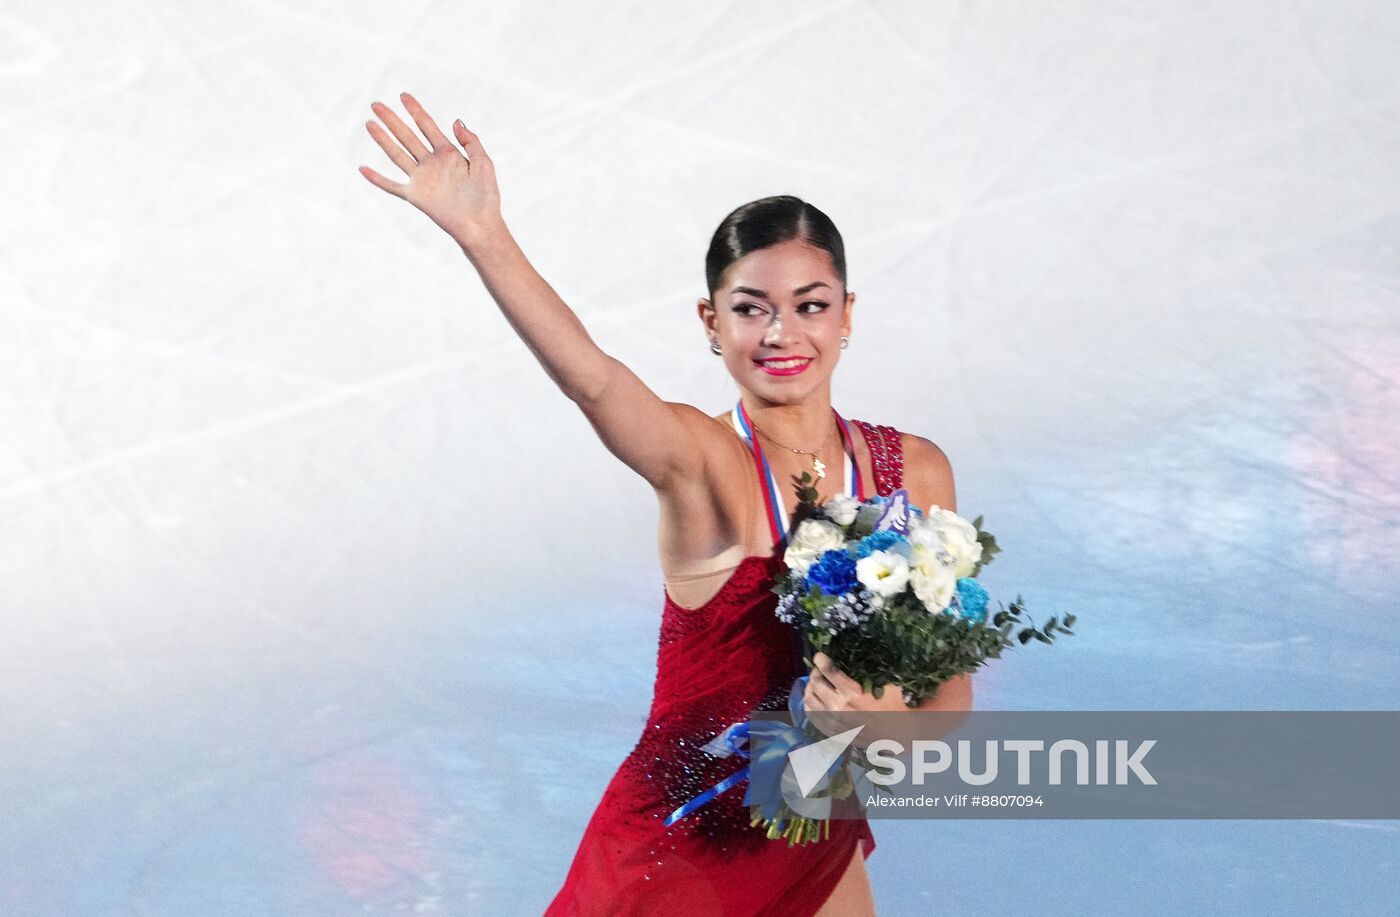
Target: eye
{"x":747,"y":305}
{"x":820,"y":306}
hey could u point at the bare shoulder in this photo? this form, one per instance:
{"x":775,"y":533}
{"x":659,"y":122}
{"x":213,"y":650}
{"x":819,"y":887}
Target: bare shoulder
{"x":712,"y":437}
{"x":690,"y":413}
{"x":928,"y":474}
{"x":705,"y":506}
{"x":708,"y":431}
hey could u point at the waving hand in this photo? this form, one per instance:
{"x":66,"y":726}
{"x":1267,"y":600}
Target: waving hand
{"x":458,"y":192}
{"x":457,"y":189}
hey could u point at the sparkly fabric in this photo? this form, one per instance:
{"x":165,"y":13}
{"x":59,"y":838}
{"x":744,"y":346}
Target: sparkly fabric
{"x":715,"y":664}
{"x":886,"y":456}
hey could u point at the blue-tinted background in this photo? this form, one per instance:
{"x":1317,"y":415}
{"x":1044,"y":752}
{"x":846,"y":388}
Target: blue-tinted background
{"x":316,"y":598}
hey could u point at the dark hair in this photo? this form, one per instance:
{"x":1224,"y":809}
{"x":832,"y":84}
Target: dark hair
{"x":768,"y":221}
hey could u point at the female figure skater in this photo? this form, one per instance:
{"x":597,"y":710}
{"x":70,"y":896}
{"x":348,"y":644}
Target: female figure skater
{"x":778,"y":315}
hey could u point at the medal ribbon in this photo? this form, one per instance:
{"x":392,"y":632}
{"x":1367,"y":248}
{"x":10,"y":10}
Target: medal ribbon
{"x":777,"y":520}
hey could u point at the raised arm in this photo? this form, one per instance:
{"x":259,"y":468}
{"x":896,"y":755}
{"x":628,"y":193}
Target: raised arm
{"x":459,"y":193}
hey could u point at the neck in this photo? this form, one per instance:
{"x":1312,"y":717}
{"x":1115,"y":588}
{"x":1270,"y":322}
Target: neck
{"x":806,"y":424}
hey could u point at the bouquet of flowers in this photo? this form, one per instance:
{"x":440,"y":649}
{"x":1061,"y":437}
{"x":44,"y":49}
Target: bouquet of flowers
{"x":890,"y":593}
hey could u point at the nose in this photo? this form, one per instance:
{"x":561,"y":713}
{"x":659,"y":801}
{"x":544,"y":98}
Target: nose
{"x":776,"y":333}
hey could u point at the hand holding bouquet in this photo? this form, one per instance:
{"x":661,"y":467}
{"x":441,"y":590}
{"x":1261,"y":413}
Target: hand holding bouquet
{"x":883,"y":593}
{"x":886,"y":594}
{"x":890,"y":594}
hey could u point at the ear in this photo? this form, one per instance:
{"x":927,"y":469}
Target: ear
{"x":708,"y":317}
{"x":846,"y":319}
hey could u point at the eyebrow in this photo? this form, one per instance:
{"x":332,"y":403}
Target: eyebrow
{"x":750,"y":291}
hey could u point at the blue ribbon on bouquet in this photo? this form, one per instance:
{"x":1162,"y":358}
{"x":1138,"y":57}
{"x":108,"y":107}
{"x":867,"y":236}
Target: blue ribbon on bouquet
{"x":781,"y":739}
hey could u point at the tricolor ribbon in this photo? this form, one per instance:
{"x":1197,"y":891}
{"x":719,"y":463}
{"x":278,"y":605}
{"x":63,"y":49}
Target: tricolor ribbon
{"x":777,"y":519}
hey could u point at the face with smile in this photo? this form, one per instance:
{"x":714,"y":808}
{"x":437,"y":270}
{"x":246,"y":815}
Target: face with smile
{"x":779,"y":316}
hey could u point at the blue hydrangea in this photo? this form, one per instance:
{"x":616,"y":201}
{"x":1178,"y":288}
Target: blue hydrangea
{"x":834,"y":572}
{"x":972,"y":599}
{"x":877,"y":541}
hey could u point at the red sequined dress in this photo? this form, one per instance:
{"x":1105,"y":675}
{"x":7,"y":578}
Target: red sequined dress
{"x":715,"y":665}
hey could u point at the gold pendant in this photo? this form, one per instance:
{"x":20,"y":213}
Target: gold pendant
{"x":819,"y":467}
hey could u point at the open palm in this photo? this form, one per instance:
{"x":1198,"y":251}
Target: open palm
{"x":458,"y":192}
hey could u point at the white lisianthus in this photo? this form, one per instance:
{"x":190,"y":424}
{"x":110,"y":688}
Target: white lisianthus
{"x":884,"y":573}
{"x":933,"y":576}
{"x":842,"y":509}
{"x":812,"y":539}
{"x":957,"y":536}
{"x":921,"y":533}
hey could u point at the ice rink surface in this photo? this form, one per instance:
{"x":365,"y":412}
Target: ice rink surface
{"x":317,"y":598}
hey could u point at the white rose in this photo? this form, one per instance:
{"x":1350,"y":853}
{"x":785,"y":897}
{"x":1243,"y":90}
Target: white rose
{"x":842,"y":509}
{"x":884,"y":573}
{"x":958,"y":537}
{"x":812,"y":539}
{"x":932,"y":575}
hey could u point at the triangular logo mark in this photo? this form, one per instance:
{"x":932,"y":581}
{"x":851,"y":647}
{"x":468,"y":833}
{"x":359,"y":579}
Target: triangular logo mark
{"x":810,"y":762}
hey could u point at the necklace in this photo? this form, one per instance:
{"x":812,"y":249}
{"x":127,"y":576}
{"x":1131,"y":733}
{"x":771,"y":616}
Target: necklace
{"x":777,"y":517}
{"x":818,"y":465}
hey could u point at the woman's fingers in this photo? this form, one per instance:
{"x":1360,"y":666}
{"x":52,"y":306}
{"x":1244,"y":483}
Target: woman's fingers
{"x":436,"y":138}
{"x":379,"y":181}
{"x":838,"y":679}
{"x":820,"y":694}
{"x":476,"y":153}
{"x":391,"y":149}
{"x":457,"y":193}
{"x":401,"y":132}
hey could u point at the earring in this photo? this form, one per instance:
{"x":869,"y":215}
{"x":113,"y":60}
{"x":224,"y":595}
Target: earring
{"x":715,"y":348}
{"x":845,"y":342}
